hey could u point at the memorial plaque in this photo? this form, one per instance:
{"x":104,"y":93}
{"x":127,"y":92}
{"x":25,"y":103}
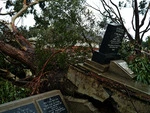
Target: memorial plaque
{"x":121,"y":68}
{"x":29,"y":108}
{"x":52,"y":105}
{"x":112,"y":40}
{"x":48,"y":102}
{"x":125,"y":67}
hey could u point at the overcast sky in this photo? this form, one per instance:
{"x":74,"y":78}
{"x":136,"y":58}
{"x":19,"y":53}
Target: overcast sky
{"x":126,"y":14}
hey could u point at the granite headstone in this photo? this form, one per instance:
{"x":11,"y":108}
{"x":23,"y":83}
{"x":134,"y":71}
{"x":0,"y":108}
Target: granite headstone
{"x":110,"y":45}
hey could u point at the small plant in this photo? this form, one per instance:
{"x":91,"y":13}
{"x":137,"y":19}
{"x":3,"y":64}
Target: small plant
{"x":10,"y":92}
{"x":141,"y":67}
{"x":127,"y":51}
{"x":138,"y":62}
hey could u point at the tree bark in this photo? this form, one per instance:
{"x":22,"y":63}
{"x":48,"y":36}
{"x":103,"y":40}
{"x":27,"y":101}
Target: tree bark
{"x":23,"y":56}
{"x":136,"y":12}
{"x":26,"y":54}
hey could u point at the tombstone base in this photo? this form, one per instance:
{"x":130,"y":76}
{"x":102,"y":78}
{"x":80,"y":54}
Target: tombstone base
{"x":121,"y":68}
{"x":104,"y":58}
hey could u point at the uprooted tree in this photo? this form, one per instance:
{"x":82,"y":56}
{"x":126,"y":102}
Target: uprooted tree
{"x":58,"y":21}
{"x":24,"y":52}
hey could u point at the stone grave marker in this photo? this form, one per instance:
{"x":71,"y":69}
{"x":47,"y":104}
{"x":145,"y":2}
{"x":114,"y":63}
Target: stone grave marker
{"x":52,"y":105}
{"x":110,"y":45}
{"x":49,"y":102}
{"x":121,"y":68}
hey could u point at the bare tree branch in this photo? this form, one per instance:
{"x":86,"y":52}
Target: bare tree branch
{"x":97,"y":10}
{"x":94,"y":8}
{"x":137,"y":27}
{"x":8,"y":13}
{"x":146,"y":30}
{"x":121,"y":21}
{"x":128,"y":34}
{"x":143,"y":20}
{"x":120,"y":17}
{"x":132,"y":22}
{"x":109,"y":11}
{"x":24,"y":8}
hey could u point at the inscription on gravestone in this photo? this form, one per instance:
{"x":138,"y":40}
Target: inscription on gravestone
{"x":29,"y":108}
{"x":121,"y":68}
{"x":110,"y":45}
{"x":52,"y":105}
{"x":112,"y":39}
{"x":49,"y":102}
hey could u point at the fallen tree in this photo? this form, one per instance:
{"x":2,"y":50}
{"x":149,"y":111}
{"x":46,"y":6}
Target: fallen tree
{"x":23,"y":50}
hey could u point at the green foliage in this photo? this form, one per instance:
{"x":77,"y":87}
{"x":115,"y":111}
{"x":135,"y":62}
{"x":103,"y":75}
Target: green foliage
{"x":44,"y":51}
{"x":103,"y":23}
{"x":65,"y":22}
{"x":127,"y":51}
{"x":61,"y":61}
{"x":59,"y":24}
{"x":146,"y":44}
{"x":41,"y":57}
{"x":142,"y":6}
{"x":8,"y":4}
{"x":11,"y":65}
{"x":18,"y":5}
{"x":141,"y":67}
{"x":139,"y":63}
{"x":10,"y":92}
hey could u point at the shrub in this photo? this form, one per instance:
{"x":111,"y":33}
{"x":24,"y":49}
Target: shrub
{"x":141,"y":67}
{"x":10,"y":92}
{"x":139,"y":63}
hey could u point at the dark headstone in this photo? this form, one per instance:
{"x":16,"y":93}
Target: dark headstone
{"x":112,"y":39}
{"x":110,"y":45}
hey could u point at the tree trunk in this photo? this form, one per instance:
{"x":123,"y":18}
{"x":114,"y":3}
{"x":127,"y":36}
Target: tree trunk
{"x":137,"y":31}
{"x":24,"y":57}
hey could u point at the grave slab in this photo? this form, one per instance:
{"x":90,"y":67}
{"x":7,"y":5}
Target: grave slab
{"x":120,"y":67}
{"x":127,"y":94}
{"x":49,"y":102}
{"x":77,"y":105}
